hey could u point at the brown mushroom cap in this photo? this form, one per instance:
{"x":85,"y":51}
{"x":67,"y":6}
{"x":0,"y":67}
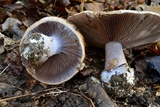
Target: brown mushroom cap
{"x":64,"y":65}
{"x":131,"y":28}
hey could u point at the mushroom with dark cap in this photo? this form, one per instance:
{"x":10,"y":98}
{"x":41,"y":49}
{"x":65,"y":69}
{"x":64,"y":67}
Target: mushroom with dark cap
{"x":114,"y":30}
{"x":52,"y":50}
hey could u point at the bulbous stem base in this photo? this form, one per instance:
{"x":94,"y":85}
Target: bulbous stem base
{"x":38,"y":47}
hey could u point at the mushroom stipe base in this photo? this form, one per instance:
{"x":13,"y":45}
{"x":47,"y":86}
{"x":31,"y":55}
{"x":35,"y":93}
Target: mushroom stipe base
{"x":116,"y":64}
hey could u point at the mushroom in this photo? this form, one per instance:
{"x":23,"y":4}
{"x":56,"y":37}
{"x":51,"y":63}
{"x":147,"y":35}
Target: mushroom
{"x":52,"y":50}
{"x":116,"y":30}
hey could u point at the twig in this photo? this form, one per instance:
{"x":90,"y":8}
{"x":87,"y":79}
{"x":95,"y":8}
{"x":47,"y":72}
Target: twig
{"x":15,"y":97}
{"x":81,"y":6}
{"x":31,"y":94}
{"x":88,"y":99}
{"x":80,"y":94}
{"x":54,"y":4}
{"x":83,"y":95}
{"x":5,"y":68}
{"x":56,"y":92}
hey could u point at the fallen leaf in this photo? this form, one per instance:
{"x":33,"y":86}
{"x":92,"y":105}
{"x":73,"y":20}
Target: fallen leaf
{"x":3,"y":15}
{"x":87,"y":72}
{"x":32,"y":3}
{"x":9,"y":23}
{"x":1,"y":49}
{"x":156,"y":48}
{"x":81,"y":6}
{"x":72,"y":11}
{"x":144,"y":7}
{"x":100,"y":1}
{"x":12,"y":25}
{"x":13,"y":7}
{"x":5,"y":89}
{"x":5,"y":86}
{"x":157,"y":87}
{"x":1,"y":45}
{"x":8,"y":43}
{"x":112,"y":64}
{"x":158,"y":90}
{"x":65,"y":2}
{"x":94,"y":6}
{"x":158,"y":93}
{"x":13,"y":58}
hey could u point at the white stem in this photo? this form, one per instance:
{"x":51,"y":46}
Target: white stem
{"x":114,"y":55}
{"x":39,"y":47}
{"x":116,"y":64}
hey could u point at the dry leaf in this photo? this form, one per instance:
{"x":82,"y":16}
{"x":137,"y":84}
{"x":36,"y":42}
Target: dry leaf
{"x":72,"y":11}
{"x":157,"y":87}
{"x":100,"y":1}
{"x":5,"y":86}
{"x":3,"y":14}
{"x":94,"y":6}
{"x":14,"y":59}
{"x":158,"y":90}
{"x":12,"y":26}
{"x":112,"y":64}
{"x":143,"y":7}
{"x":87,"y":72}
{"x":65,"y":2}
{"x":9,"y":43}
{"x":13,"y":7}
{"x":9,"y":23}
{"x":1,"y":49}
{"x":1,"y":45}
{"x":157,"y":46}
{"x":158,"y":93}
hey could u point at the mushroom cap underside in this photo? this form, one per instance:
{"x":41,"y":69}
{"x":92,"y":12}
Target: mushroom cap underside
{"x":131,"y":28}
{"x":64,"y":65}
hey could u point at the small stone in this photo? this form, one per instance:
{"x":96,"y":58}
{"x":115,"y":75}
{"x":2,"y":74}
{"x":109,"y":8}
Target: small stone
{"x":36,"y":102}
{"x":17,"y":93}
